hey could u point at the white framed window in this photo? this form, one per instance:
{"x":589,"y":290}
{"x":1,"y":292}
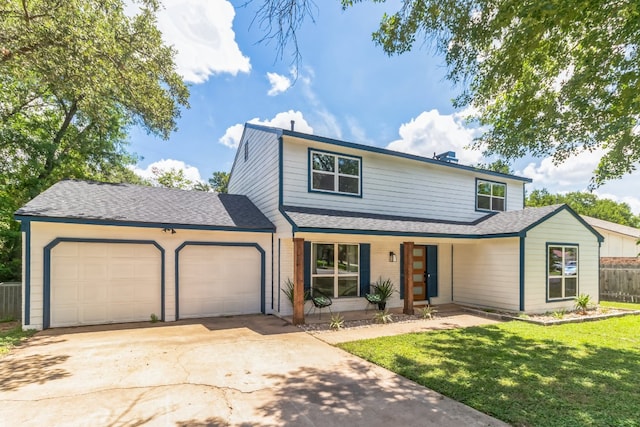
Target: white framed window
{"x":335,"y":173}
{"x":335,"y":269}
{"x":562,"y":274}
{"x":490,"y":196}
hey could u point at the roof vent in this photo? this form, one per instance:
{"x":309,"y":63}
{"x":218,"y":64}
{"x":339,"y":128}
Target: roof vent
{"x":447,"y":156}
{"x":293,"y":125}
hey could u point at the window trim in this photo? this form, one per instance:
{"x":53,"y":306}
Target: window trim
{"x":478,"y":180}
{"x":336,"y":174}
{"x":336,"y":275}
{"x":577,"y":275}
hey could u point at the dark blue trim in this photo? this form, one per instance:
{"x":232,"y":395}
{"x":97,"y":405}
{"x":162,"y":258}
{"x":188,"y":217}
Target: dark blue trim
{"x":365,"y":268}
{"x":227,"y":244}
{"x":546,"y":273}
{"x":307,"y":265}
{"x":522,"y":260}
{"x":272,"y":251}
{"x":431,"y":267}
{"x":572,"y":212}
{"x":294,"y":227}
{"x":46,"y":309}
{"x":332,"y":153}
{"x":140,"y":224}
{"x":404,"y":233}
{"x":401,"y":270}
{"x":506,"y":187}
{"x":279,"y":272}
{"x":25,"y":226}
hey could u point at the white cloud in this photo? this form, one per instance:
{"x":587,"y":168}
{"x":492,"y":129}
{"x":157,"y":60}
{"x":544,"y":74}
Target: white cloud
{"x":279,"y":84}
{"x":201,"y":32}
{"x":574,"y":174}
{"x":231,"y":137}
{"x":190,"y":172}
{"x":432,"y":132}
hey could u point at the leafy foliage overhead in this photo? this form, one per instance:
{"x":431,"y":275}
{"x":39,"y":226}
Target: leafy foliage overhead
{"x":88,"y":55}
{"x":587,"y":204}
{"x":548,"y":78}
{"x":74,"y":75}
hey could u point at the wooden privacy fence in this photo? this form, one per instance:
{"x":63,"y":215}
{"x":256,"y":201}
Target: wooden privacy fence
{"x":10,"y":300}
{"x":620,"y":279}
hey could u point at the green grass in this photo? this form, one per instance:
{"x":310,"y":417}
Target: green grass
{"x":11,"y":337}
{"x":615,"y":304}
{"x":580,"y":374}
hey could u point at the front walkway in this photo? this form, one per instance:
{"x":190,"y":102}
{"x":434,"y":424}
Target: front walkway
{"x":359,"y":326}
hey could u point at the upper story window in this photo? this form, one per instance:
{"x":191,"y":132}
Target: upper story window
{"x":490,"y":196}
{"x":562,"y":278}
{"x":335,"y":173}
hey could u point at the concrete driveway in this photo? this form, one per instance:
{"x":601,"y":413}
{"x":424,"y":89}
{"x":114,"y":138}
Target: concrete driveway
{"x":240,"y":371}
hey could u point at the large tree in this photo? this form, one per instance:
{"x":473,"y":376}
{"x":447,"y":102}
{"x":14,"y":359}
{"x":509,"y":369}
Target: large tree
{"x":548,"y":78}
{"x":74,"y":76}
{"x":587,"y":204}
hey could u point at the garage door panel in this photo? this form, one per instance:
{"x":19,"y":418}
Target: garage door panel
{"x":103,"y":283}
{"x":218,"y":280}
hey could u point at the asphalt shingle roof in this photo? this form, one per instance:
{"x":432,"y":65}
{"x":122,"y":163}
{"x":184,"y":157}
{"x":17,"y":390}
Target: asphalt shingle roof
{"x":139,"y":204}
{"x":511,"y":222}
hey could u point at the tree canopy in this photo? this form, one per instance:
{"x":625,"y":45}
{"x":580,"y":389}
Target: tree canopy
{"x":547,"y":78}
{"x":74,"y":76}
{"x":219,"y":181}
{"x":587,"y":204}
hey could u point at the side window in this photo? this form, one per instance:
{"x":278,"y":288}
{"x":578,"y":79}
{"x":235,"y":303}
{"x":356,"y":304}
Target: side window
{"x":490,"y":196}
{"x":334,"y":173}
{"x":562,"y":274}
{"x":246,"y":150}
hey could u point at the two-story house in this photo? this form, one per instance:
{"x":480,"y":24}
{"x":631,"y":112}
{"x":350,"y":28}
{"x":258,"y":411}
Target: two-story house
{"x":328,"y":215}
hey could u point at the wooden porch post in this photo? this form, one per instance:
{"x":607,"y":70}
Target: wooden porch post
{"x":408,"y":278}
{"x":298,"y":281}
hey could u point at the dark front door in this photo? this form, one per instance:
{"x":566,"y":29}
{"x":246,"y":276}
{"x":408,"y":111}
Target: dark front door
{"x":425,"y":272}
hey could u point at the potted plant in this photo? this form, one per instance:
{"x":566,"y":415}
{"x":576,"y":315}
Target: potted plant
{"x":384,"y":289}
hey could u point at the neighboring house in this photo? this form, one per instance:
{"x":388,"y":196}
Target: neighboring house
{"x":619,"y":240}
{"x":328,"y":214}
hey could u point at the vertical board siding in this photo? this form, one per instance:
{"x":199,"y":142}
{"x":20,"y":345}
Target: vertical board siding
{"x":618,"y":245}
{"x":561,"y":228}
{"x":620,"y":279}
{"x":10,"y":300}
{"x":392,"y":186}
{"x":485,"y":273}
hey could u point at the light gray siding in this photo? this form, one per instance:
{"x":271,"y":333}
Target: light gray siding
{"x":486,"y":273}
{"x":392,"y":185}
{"x":257,"y":176}
{"x":561,"y":228}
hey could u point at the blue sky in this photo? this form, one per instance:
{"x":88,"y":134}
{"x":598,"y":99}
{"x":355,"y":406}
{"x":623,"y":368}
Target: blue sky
{"x":346,"y":88}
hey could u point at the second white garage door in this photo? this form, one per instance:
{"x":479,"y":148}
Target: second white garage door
{"x":219,"y":280}
{"x":97,"y":283}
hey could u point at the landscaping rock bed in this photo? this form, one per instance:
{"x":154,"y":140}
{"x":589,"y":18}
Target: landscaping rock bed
{"x":547,"y":319}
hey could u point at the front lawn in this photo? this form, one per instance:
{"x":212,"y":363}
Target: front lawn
{"x":584,"y":374}
{"x":616,"y":304}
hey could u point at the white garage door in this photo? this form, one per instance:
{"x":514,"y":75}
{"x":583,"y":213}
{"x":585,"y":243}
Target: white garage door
{"x":219,"y":280}
{"x":96,"y":283}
